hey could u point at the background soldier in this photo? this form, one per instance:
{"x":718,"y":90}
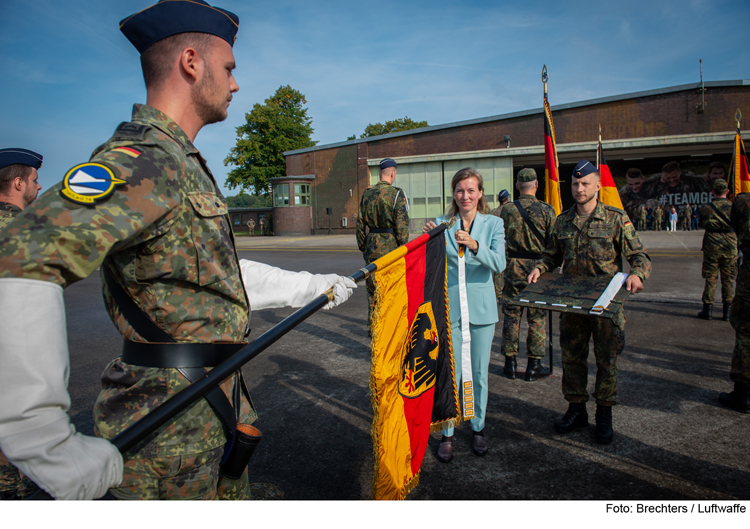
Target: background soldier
{"x":528,"y":225}
{"x":251,"y":227}
{"x":658,"y":216}
{"x":591,"y":239}
{"x":719,"y":250}
{"x":382,"y":222}
{"x":503,"y":198}
{"x":19,"y":181}
{"x":263,"y":226}
{"x":739,"y":317}
{"x":118,"y":212}
{"x":18,"y":188}
{"x":642,"y":214}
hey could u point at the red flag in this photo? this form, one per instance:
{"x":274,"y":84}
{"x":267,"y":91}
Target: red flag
{"x":551,"y":175}
{"x":608,"y":194}
{"x":739,"y":177}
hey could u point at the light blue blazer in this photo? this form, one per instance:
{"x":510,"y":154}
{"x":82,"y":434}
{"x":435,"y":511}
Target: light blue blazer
{"x":480,"y":290}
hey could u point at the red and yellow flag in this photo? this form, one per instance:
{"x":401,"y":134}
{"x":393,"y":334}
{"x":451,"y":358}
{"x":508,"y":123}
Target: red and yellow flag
{"x":739,"y":179}
{"x":412,"y":380}
{"x":551,"y":175}
{"x":608,"y":194}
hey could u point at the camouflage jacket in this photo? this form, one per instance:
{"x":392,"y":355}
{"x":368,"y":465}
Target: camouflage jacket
{"x":165,"y":236}
{"x":498,"y":210}
{"x":382,"y":206}
{"x":718,"y":244}
{"x":596,"y":246}
{"x":7,"y":213}
{"x":631,"y":200}
{"x":520,"y":238}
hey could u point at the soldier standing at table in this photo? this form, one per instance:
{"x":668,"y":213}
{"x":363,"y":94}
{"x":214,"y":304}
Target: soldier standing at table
{"x":739,"y":316}
{"x":19,"y":186}
{"x":382,"y":222}
{"x":147,"y":211}
{"x":719,"y":250}
{"x":591,"y":239}
{"x":528,"y":226}
{"x":503,"y":197}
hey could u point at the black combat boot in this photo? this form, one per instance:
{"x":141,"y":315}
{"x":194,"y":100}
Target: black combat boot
{"x":705,"y":314}
{"x":511,"y":365}
{"x":575,"y":417}
{"x":535,"y":370}
{"x":727,"y":306}
{"x":739,"y":399}
{"x":603,"y":433}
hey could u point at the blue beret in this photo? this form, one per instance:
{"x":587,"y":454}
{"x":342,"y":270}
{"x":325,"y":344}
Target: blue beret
{"x":387,"y":162}
{"x":170,"y":17}
{"x":23,"y":156}
{"x":502,"y":195}
{"x":583,"y":168}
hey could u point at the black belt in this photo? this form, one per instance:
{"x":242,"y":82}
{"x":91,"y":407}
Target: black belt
{"x":175,"y":355}
{"x":715,"y":230}
{"x":523,"y":255}
{"x":382,"y":230}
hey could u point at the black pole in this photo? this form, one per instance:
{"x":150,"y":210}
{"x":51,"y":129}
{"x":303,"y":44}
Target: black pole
{"x":550,"y":343}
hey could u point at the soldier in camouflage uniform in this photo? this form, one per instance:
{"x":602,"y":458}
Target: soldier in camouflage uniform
{"x":19,"y":187}
{"x":503,"y":197}
{"x":522,"y":248}
{"x":719,"y":250}
{"x":147,"y":210}
{"x":19,"y":181}
{"x":382,"y":222}
{"x":658,"y":216}
{"x":642,"y":213}
{"x":591,"y":239}
{"x":739,"y":316}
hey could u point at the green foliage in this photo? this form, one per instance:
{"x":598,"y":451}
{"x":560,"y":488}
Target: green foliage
{"x":394,"y":125}
{"x":280,"y":124}
{"x":248,"y":201}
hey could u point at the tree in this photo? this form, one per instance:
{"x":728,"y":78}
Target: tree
{"x":280,"y":124}
{"x":244,"y":200}
{"x":395,"y":125}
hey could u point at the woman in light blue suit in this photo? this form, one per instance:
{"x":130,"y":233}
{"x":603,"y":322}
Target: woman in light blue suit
{"x":480,"y":238}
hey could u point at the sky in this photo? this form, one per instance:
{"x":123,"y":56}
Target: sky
{"x":69,"y":76}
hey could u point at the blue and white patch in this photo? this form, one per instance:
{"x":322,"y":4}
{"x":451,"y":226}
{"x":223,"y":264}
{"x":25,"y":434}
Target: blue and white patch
{"x":89,"y":183}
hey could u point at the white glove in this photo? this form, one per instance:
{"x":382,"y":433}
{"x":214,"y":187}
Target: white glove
{"x":269,"y":287}
{"x":35,"y":431}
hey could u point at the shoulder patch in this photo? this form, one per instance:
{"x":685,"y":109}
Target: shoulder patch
{"x":89,"y":183}
{"x":130,"y":131}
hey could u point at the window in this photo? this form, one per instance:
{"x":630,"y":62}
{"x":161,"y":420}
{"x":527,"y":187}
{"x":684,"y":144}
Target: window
{"x":281,"y":195}
{"x":301,"y":194}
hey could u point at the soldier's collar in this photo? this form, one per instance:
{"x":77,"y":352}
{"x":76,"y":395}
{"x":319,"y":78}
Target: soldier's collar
{"x":7,"y":206}
{"x":158,"y":119}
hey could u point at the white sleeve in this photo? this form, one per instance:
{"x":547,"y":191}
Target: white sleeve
{"x":35,"y":432}
{"x":269,"y":287}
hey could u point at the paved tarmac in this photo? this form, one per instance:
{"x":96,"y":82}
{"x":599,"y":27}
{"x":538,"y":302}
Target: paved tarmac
{"x":672,"y":438}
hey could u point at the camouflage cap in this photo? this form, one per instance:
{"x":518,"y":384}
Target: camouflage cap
{"x":526,"y":175}
{"x":720,"y":185}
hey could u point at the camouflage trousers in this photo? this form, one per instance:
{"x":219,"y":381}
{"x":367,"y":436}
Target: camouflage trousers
{"x":497,"y":280}
{"x":13,"y":481}
{"x":609,"y":340}
{"x":739,"y":317}
{"x":712,"y":266}
{"x":511,"y":329}
{"x":187,"y":477}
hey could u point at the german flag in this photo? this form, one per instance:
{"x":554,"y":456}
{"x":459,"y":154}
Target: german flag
{"x":412,"y":380}
{"x":608,"y":194}
{"x":739,"y":179}
{"x":551,"y":175}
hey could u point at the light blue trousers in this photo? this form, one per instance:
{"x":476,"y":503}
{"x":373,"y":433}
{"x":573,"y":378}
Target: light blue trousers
{"x":481,"y":346}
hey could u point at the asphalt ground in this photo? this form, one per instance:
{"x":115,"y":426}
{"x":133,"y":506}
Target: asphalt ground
{"x":673,"y":440}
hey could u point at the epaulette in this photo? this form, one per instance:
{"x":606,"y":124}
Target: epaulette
{"x":130,"y":131}
{"x":612,"y":208}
